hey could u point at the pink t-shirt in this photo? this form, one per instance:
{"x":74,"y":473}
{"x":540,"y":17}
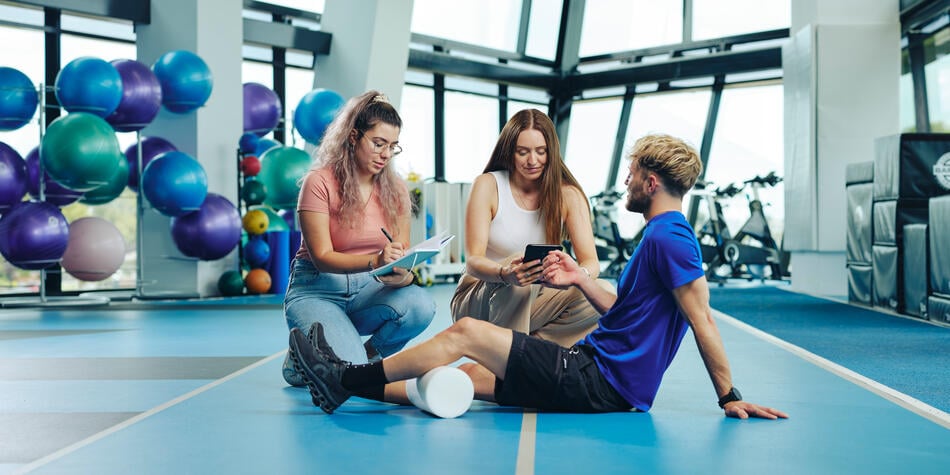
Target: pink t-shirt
{"x":320,"y":192}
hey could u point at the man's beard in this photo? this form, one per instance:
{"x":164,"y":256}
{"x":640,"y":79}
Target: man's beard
{"x":638,"y":204}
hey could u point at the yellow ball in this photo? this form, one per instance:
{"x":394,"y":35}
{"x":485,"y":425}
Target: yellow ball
{"x":255,"y":221}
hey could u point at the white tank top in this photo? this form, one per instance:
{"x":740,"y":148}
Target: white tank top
{"x":512,"y":228}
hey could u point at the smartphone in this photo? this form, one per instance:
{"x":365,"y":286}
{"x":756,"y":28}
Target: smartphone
{"x":534,"y":252}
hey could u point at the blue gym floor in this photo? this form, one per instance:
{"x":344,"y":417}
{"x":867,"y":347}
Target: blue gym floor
{"x":195,"y":387}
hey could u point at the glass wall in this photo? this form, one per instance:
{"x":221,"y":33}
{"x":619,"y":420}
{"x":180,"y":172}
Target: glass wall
{"x":719,"y":18}
{"x":590,"y":142}
{"x":489,"y":23}
{"x":471,"y":129}
{"x":937,"y":72}
{"x":619,"y":25}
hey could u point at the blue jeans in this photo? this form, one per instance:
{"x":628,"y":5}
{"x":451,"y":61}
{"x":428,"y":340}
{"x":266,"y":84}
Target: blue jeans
{"x":354,"y":305}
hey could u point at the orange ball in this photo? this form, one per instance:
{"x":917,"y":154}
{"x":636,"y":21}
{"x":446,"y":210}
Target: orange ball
{"x":257,"y":281}
{"x":255,"y":221}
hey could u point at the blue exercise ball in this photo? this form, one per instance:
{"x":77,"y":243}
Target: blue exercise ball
{"x":264,"y":145}
{"x":18,"y":99}
{"x":248,"y":142}
{"x":141,"y":96}
{"x":256,"y":252}
{"x":13,"y":177}
{"x":90,"y":85}
{"x":33,"y":235}
{"x":175,"y":184}
{"x":79,"y":151}
{"x":315,"y":112}
{"x":185,"y":80}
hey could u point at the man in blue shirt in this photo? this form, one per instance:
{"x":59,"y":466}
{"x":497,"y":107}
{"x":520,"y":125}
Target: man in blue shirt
{"x":618,"y":366}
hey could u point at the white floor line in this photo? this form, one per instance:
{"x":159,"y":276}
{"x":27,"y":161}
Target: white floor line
{"x":907,"y":402}
{"x":149,"y":413}
{"x":524,"y":465}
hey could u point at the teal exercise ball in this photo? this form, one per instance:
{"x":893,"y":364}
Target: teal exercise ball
{"x":314,"y":113}
{"x":253,"y":192}
{"x":90,"y":85}
{"x":185,"y":80}
{"x":175,"y":184}
{"x":281,"y":169}
{"x":111,"y":189}
{"x":231,"y":283}
{"x":79,"y":151}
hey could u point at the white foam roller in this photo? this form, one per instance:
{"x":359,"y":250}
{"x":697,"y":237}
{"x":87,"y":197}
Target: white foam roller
{"x":444,"y":392}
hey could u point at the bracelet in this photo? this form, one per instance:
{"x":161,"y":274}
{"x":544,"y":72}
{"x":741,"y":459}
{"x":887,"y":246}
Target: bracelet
{"x":501,"y":277}
{"x":586,"y":272}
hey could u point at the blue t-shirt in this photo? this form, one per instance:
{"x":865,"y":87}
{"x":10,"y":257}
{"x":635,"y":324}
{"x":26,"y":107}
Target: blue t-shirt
{"x":637,"y":338}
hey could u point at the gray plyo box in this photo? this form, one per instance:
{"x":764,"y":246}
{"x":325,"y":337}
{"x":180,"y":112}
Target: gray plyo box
{"x":916,"y":277}
{"x":938,"y":309}
{"x":859,"y":283}
{"x":940,"y":245}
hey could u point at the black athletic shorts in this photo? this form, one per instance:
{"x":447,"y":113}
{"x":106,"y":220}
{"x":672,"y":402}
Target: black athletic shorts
{"x":544,"y":375}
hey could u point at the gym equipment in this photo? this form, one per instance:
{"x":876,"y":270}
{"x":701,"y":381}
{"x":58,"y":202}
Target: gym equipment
{"x":209,"y":233}
{"x":175,"y":184}
{"x":53,"y":192}
{"x":262,"y":110}
{"x":231,"y":283}
{"x":250,"y":165}
{"x":281,"y":169}
{"x":263,"y":145}
{"x":95,"y":249}
{"x":91,"y":85}
{"x":248,"y":142}
{"x":753,"y":248}
{"x":274,"y":221}
{"x":33,"y":235}
{"x":141,"y":96}
{"x":79,"y":150}
{"x":151,"y":148}
{"x":616,"y":249}
{"x":257,"y":281}
{"x":443,"y":391}
{"x":714,"y":232}
{"x":314,"y":113}
{"x":256,"y":252}
{"x":278,"y":266}
{"x":13,"y":177}
{"x":18,"y":99}
{"x":255,"y":222}
{"x":185,"y":80}
{"x":111,"y":189}
{"x":253,"y":192}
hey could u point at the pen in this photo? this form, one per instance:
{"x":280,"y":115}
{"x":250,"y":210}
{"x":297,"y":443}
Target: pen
{"x":385,"y":233}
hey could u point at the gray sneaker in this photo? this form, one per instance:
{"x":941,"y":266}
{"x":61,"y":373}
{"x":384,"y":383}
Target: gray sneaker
{"x":291,"y":376}
{"x":323,"y":375}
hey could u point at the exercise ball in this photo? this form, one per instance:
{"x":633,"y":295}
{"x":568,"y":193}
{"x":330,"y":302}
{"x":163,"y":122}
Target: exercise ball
{"x":33,"y":235}
{"x":151,"y":148}
{"x":290,"y":217}
{"x":253,"y":192}
{"x":141,"y":96}
{"x":175,"y":184}
{"x":209,"y":233}
{"x":13,"y":177}
{"x":248,"y":142}
{"x":112,"y":188}
{"x":185,"y":80}
{"x":257,"y":281}
{"x":274,"y":221}
{"x":231,"y":283}
{"x":90,"y":85}
{"x":281,"y":170}
{"x":262,"y":109}
{"x":18,"y":99}
{"x":79,"y":150}
{"x":255,"y":221}
{"x":95,"y":249}
{"x":53,"y":192}
{"x":314,"y":113}
{"x":256,"y":252}
{"x":250,"y":165}
{"x":264,"y":145}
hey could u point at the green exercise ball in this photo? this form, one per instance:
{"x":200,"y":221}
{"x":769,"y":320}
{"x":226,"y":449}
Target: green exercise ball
{"x":281,"y":169}
{"x":79,"y":151}
{"x":253,"y":191}
{"x":231,"y":283}
{"x":112,"y":189}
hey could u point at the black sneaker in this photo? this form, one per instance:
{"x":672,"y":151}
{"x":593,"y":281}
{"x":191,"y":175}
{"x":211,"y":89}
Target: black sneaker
{"x":319,"y":342}
{"x":324,"y":377}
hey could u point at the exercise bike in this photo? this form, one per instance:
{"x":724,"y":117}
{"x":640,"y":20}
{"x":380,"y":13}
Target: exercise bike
{"x":753,"y":249}
{"x":714,"y":233}
{"x":616,"y":248}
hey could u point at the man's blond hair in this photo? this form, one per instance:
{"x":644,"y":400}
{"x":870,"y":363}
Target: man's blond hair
{"x":673,"y":160}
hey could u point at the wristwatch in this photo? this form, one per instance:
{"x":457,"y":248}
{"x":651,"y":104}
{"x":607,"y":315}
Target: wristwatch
{"x":732,"y":395}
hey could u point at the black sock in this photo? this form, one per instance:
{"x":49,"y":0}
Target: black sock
{"x":364,"y":376}
{"x":376,"y":393}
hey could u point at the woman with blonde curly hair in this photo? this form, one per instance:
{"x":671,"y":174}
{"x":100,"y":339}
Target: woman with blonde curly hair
{"x":353,"y":211}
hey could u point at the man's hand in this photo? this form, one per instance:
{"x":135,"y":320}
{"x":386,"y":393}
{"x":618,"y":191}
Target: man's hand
{"x":560,"y":270}
{"x":745,"y":410}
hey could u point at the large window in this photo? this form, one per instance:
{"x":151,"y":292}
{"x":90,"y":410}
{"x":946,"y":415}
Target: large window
{"x":590,"y":142}
{"x":937,"y":72}
{"x":489,"y":23}
{"x":543,"y":28}
{"x":471,"y":129}
{"x":620,"y":25}
{"x":719,"y":18}
{"x":416,"y":137}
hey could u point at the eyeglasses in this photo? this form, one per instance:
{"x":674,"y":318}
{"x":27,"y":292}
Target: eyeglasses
{"x":394,"y":149}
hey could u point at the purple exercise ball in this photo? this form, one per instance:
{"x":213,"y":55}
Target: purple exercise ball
{"x":141,"y":96}
{"x":209,"y":233}
{"x":151,"y":148}
{"x":33,"y":235}
{"x":12,"y":177}
{"x":262,"y":109}
{"x":53,"y":192}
